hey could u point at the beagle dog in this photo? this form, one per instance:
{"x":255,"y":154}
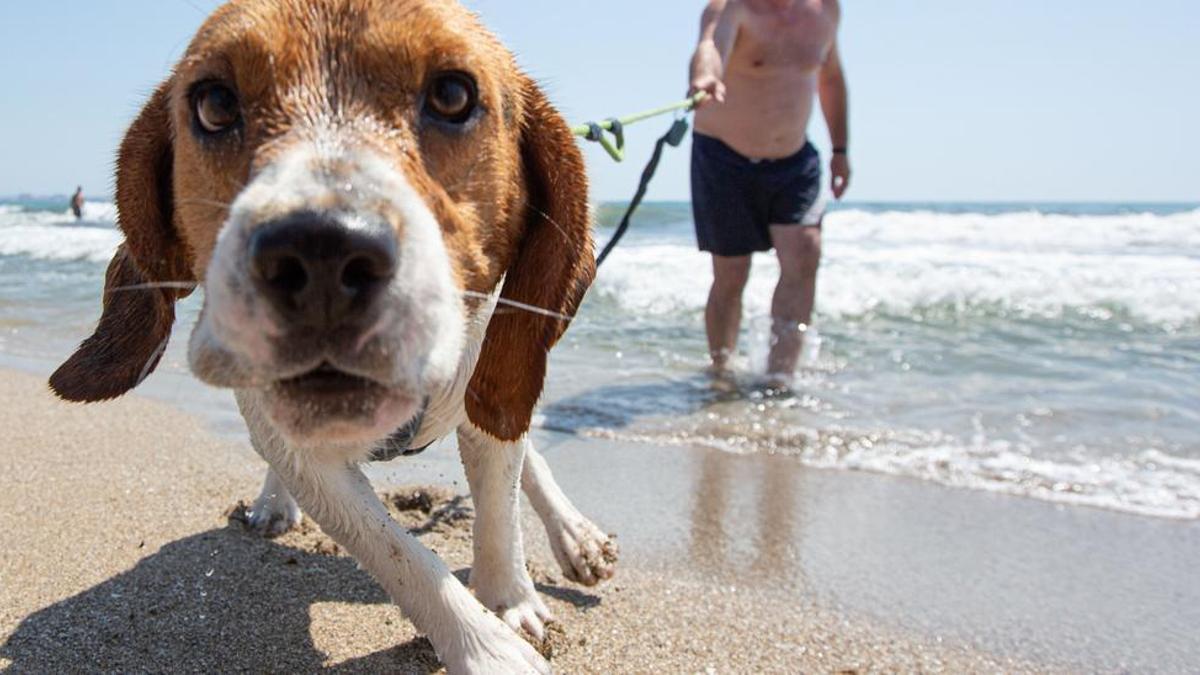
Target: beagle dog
{"x":390,"y":225}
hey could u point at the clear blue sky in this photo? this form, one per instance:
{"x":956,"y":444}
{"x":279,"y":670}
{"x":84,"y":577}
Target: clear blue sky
{"x":951,"y":99}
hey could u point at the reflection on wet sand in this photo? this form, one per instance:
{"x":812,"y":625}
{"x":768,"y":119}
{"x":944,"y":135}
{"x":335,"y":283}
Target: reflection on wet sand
{"x":721,"y":544}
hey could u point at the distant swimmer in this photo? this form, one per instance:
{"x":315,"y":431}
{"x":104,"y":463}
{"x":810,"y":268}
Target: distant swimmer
{"x":77,"y":203}
{"x":756,"y":178}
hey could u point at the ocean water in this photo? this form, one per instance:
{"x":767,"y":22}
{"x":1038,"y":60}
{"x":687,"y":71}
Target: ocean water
{"x":1040,"y":350}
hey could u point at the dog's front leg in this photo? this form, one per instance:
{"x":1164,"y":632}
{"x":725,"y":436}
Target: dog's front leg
{"x":498,"y":575}
{"x":585,"y":553}
{"x":335,"y":493}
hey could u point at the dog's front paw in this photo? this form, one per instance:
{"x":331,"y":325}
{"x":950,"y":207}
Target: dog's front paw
{"x":273,"y":515}
{"x":514,"y":600}
{"x":491,"y":647}
{"x":584,"y":552}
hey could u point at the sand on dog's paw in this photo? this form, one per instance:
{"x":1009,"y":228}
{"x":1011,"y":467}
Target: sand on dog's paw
{"x":556,"y":642}
{"x":494,"y":648}
{"x":273,"y":522}
{"x":265,"y":521}
{"x":584,"y":552}
{"x":516,"y":602}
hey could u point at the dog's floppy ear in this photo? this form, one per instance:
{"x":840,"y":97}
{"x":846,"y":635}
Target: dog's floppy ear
{"x":136,"y":322}
{"x":550,"y":273}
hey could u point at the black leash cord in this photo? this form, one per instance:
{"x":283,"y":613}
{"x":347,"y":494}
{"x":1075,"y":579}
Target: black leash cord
{"x":673,"y":137}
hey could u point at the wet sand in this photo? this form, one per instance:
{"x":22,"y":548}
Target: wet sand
{"x":120,"y":550}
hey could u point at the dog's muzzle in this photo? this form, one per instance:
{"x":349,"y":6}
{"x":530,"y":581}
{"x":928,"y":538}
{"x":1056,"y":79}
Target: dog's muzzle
{"x":339,"y":305}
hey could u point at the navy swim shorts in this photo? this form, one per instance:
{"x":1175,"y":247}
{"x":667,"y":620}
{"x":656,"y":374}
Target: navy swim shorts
{"x":736,"y":200}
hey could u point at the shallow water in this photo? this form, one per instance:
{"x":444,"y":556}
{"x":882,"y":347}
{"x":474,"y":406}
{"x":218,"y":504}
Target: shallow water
{"x":1045,"y":351}
{"x":1051,"y":351}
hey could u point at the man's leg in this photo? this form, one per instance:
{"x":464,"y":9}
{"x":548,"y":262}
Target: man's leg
{"x":723,"y":317}
{"x":799,"y":252}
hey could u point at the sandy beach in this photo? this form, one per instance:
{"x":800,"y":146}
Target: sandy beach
{"x":895,"y":368}
{"x":120,"y":550}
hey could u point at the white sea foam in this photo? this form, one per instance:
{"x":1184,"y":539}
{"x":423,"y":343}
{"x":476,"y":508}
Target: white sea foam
{"x":46,"y":235}
{"x":101,"y":212}
{"x":1029,"y":264}
{"x":1148,"y":483}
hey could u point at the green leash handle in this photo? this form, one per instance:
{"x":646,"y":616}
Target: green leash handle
{"x":610,"y":133}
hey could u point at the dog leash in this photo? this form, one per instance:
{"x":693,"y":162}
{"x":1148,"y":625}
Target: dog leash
{"x":600,"y":132}
{"x":610,"y":134}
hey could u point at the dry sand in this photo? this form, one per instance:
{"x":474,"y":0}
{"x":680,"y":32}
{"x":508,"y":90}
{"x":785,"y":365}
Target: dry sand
{"x":120,"y":550}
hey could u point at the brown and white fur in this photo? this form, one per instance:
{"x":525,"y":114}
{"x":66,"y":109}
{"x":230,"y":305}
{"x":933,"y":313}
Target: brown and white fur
{"x":367,"y":247}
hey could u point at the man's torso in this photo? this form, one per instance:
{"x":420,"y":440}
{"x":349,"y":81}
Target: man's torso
{"x":772,"y":60}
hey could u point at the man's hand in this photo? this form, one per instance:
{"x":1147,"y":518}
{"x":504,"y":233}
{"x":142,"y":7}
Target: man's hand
{"x":839,"y":168}
{"x":706,"y":73}
{"x":710,"y":85}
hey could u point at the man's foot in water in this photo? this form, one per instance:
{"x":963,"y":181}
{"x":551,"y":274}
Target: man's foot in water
{"x":720,"y":374}
{"x":776,"y":385}
{"x":722,"y":378}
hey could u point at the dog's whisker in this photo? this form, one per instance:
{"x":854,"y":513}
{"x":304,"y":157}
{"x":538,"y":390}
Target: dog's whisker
{"x":562,"y":230}
{"x":519,"y":305}
{"x":153,"y":360}
{"x":179,"y":285}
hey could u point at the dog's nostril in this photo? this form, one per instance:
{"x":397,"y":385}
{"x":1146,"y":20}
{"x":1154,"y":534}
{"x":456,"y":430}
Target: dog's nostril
{"x":363,"y":271}
{"x":287,"y":274}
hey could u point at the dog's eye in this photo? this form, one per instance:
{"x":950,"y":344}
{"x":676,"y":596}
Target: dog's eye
{"x":452,"y":97}
{"x":217,"y":108}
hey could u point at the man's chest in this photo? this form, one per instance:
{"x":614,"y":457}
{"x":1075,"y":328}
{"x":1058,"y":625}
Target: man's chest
{"x":798,"y":36}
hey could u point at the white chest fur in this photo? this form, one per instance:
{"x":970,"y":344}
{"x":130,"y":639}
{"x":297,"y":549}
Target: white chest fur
{"x":445,"y":410}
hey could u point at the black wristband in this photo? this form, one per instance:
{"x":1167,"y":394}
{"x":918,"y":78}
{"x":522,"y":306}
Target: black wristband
{"x":841,"y":150}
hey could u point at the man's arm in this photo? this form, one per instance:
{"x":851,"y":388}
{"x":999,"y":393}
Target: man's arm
{"x":708,"y":67}
{"x":836,"y":107}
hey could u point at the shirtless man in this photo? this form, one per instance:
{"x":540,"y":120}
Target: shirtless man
{"x":77,"y":203}
{"x":756,"y":180}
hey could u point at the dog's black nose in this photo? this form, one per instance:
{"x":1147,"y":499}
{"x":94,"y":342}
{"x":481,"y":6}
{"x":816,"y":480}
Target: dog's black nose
{"x":319,"y":273}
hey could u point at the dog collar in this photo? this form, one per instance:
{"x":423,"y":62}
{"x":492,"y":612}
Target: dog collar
{"x":400,"y":444}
